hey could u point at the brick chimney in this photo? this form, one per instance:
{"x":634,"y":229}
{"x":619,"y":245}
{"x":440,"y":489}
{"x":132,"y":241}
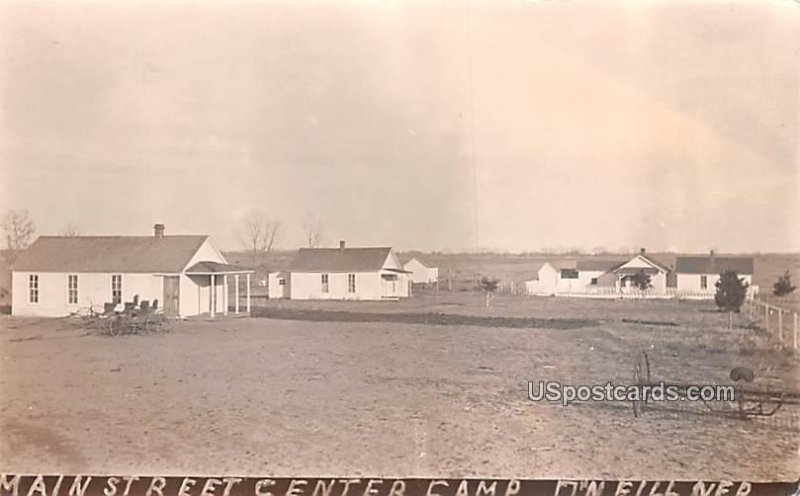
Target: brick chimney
{"x":341,"y":245}
{"x":158,"y":230}
{"x":641,"y":251}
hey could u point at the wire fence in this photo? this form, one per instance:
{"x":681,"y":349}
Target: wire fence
{"x":779,"y":322}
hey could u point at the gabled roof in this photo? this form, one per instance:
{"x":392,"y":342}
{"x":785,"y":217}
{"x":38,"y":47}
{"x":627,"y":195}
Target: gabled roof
{"x":558,"y":265}
{"x":121,"y":254}
{"x":339,"y":259}
{"x":713,"y":265}
{"x":624,"y":270}
{"x":206,"y":268}
{"x":596,"y":265}
{"x":415,"y":259}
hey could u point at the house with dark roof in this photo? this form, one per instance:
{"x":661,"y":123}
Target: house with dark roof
{"x":599,"y":277}
{"x":183,"y":275}
{"x":701,"y":273}
{"x":343,"y":273}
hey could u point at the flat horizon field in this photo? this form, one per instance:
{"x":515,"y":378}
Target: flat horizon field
{"x":355,"y":396}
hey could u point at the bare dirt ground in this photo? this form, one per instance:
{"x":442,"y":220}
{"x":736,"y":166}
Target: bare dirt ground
{"x":375,"y":396}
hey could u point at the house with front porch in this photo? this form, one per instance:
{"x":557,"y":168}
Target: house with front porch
{"x":599,"y":277}
{"x":623,"y":277}
{"x":182,"y":275}
{"x":359,"y":273}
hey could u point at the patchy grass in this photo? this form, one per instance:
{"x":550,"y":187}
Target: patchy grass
{"x":388,"y":397}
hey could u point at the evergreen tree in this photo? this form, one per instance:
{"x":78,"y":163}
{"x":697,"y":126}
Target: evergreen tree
{"x":642,"y":280}
{"x":783,"y":286}
{"x":731,"y":291}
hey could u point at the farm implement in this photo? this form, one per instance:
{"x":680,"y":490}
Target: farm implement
{"x":744,"y":402}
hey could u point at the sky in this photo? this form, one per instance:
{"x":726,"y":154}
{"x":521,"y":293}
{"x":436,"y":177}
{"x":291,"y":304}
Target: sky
{"x":449,"y":126}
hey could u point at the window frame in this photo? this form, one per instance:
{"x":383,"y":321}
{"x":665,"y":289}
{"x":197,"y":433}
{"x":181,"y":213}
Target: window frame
{"x":325,"y":282}
{"x":33,"y":289}
{"x":569,"y":274}
{"x":703,"y":282}
{"x":72,"y":289}
{"x":116,"y":288}
{"x":351,"y":283}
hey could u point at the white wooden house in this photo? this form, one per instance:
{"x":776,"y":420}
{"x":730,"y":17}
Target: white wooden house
{"x":598,"y":277}
{"x":278,"y":285}
{"x":625,"y":274}
{"x":701,"y":273}
{"x":419,"y":273}
{"x":343,"y":273}
{"x":186,"y":274}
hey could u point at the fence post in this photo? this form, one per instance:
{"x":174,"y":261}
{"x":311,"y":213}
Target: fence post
{"x":780,"y":326}
{"x":766,"y":316}
{"x":794,"y":336}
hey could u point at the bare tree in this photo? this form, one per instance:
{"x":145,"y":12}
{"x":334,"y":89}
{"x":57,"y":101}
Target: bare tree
{"x":312,"y":227}
{"x":70,"y":231}
{"x":18,"y":230}
{"x":259,"y":234}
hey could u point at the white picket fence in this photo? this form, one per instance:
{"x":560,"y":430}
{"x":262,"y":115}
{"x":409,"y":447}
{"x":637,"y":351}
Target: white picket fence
{"x":780,"y":322}
{"x":532,"y":288}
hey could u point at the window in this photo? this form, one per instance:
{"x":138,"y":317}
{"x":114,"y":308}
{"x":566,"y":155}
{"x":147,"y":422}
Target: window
{"x":324,"y":283}
{"x":569,"y":273}
{"x":594,"y":281}
{"x":72,"y":289}
{"x":33,"y":288}
{"x":351,"y":283}
{"x":116,"y":289}
{"x":703,"y":282}
{"x":281,"y":282}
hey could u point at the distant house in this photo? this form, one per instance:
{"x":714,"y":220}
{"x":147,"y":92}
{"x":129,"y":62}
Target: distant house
{"x":278,"y":285}
{"x":419,"y":273}
{"x":598,"y":277}
{"x":344,"y":273}
{"x":700,"y":273}
{"x":186,"y":274}
{"x":625,"y":274}
{"x":552,"y":278}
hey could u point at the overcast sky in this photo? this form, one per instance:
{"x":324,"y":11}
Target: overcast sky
{"x":509,"y":125}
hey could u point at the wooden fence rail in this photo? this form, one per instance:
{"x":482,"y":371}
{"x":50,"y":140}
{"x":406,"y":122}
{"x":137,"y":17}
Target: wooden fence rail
{"x":775,"y":325}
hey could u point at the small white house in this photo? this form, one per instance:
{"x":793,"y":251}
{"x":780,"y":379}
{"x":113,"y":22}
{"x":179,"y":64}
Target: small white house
{"x":598,"y":277}
{"x":278,"y":285}
{"x":552,"y":278}
{"x":626,"y":273}
{"x":419,"y":273}
{"x":186,"y":275}
{"x":700,"y":274}
{"x":346,"y":274}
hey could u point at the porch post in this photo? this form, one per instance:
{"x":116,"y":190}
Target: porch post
{"x":213,"y":293}
{"x":236,"y":293}
{"x":248,"y":293}
{"x":225,"y":294}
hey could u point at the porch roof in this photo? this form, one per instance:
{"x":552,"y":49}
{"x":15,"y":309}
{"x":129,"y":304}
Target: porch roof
{"x":636,"y":270}
{"x":209,"y":268}
{"x":397,"y":271}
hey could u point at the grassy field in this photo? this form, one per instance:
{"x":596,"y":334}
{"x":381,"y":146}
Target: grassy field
{"x":436,"y":385}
